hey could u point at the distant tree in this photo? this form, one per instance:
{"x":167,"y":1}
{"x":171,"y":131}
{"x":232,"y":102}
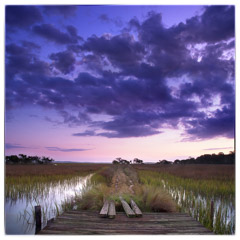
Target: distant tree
{"x":124,"y":161}
{"x":177,"y":161}
{"x":120,"y":161}
{"x":13,"y":159}
{"x":46,"y":160}
{"x":164,"y":162}
{"x":23,"y":158}
{"x":137,"y":161}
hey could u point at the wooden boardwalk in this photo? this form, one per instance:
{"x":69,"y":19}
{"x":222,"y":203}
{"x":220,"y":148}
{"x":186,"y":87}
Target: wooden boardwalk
{"x":89,"y":223}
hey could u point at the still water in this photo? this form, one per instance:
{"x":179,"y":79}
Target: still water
{"x":19,"y":212}
{"x":198,"y":206}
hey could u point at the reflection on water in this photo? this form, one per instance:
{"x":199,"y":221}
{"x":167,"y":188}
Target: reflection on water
{"x":198,"y":206}
{"x":19,"y":212}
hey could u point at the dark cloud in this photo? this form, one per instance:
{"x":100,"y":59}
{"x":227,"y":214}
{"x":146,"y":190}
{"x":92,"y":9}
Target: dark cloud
{"x":135,"y":124}
{"x":121,"y":131}
{"x":221,"y":124}
{"x":63,"y":61}
{"x":21,"y":59}
{"x":13,"y":146}
{"x":51,"y":33}
{"x":30,"y":45}
{"x":134,"y":23}
{"x":217,"y":23}
{"x":129,"y":131}
{"x":73,"y":32}
{"x":62,"y":10}
{"x":22,"y":16}
{"x":67,"y":149}
{"x":121,"y":50}
{"x":116,"y":21}
{"x":86,"y":133}
{"x":72,"y":120}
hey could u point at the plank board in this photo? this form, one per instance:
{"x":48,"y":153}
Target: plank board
{"x":89,"y":223}
{"x":111,"y":210}
{"x":135,"y":208}
{"x":129,"y":212}
{"x":104,"y":210}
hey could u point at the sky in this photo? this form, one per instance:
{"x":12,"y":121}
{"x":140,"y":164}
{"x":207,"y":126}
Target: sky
{"x":92,"y":83}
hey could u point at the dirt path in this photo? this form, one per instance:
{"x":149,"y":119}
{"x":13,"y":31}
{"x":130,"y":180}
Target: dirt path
{"x":124,"y":179}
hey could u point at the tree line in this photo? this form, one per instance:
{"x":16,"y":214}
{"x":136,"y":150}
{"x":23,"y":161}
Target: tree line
{"x":219,"y":158}
{"x":24,"y":159}
{"x":124,"y":161}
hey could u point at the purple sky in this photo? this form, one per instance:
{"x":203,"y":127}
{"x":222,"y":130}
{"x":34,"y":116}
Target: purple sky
{"x":91,"y":83}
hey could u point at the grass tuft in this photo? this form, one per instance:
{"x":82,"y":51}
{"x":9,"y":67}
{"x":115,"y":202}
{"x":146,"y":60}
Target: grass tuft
{"x":151,"y":198}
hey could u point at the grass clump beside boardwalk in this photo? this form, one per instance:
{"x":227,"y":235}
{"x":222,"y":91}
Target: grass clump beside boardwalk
{"x":97,"y":191}
{"x":92,"y":198}
{"x":155,"y":199}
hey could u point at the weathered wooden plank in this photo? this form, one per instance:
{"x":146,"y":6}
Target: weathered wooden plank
{"x":126,"y":227}
{"x":123,"y":218}
{"x":104,"y":210}
{"x":85,"y":222}
{"x":130,"y":230}
{"x":146,"y":214}
{"x":117,"y":224}
{"x":129,"y":212}
{"x":136,"y":209}
{"x":111,"y":210}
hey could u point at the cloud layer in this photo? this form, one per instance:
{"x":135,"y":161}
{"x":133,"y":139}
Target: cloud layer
{"x":139,"y":82}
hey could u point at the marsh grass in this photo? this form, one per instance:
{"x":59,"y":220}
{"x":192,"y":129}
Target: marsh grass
{"x":192,"y":171}
{"x":35,"y":181}
{"x":194,"y":196}
{"x":34,"y":187}
{"x":77,"y":169}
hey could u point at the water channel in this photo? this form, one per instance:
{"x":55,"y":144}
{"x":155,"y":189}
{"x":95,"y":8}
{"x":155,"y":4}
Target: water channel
{"x":19,"y":212}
